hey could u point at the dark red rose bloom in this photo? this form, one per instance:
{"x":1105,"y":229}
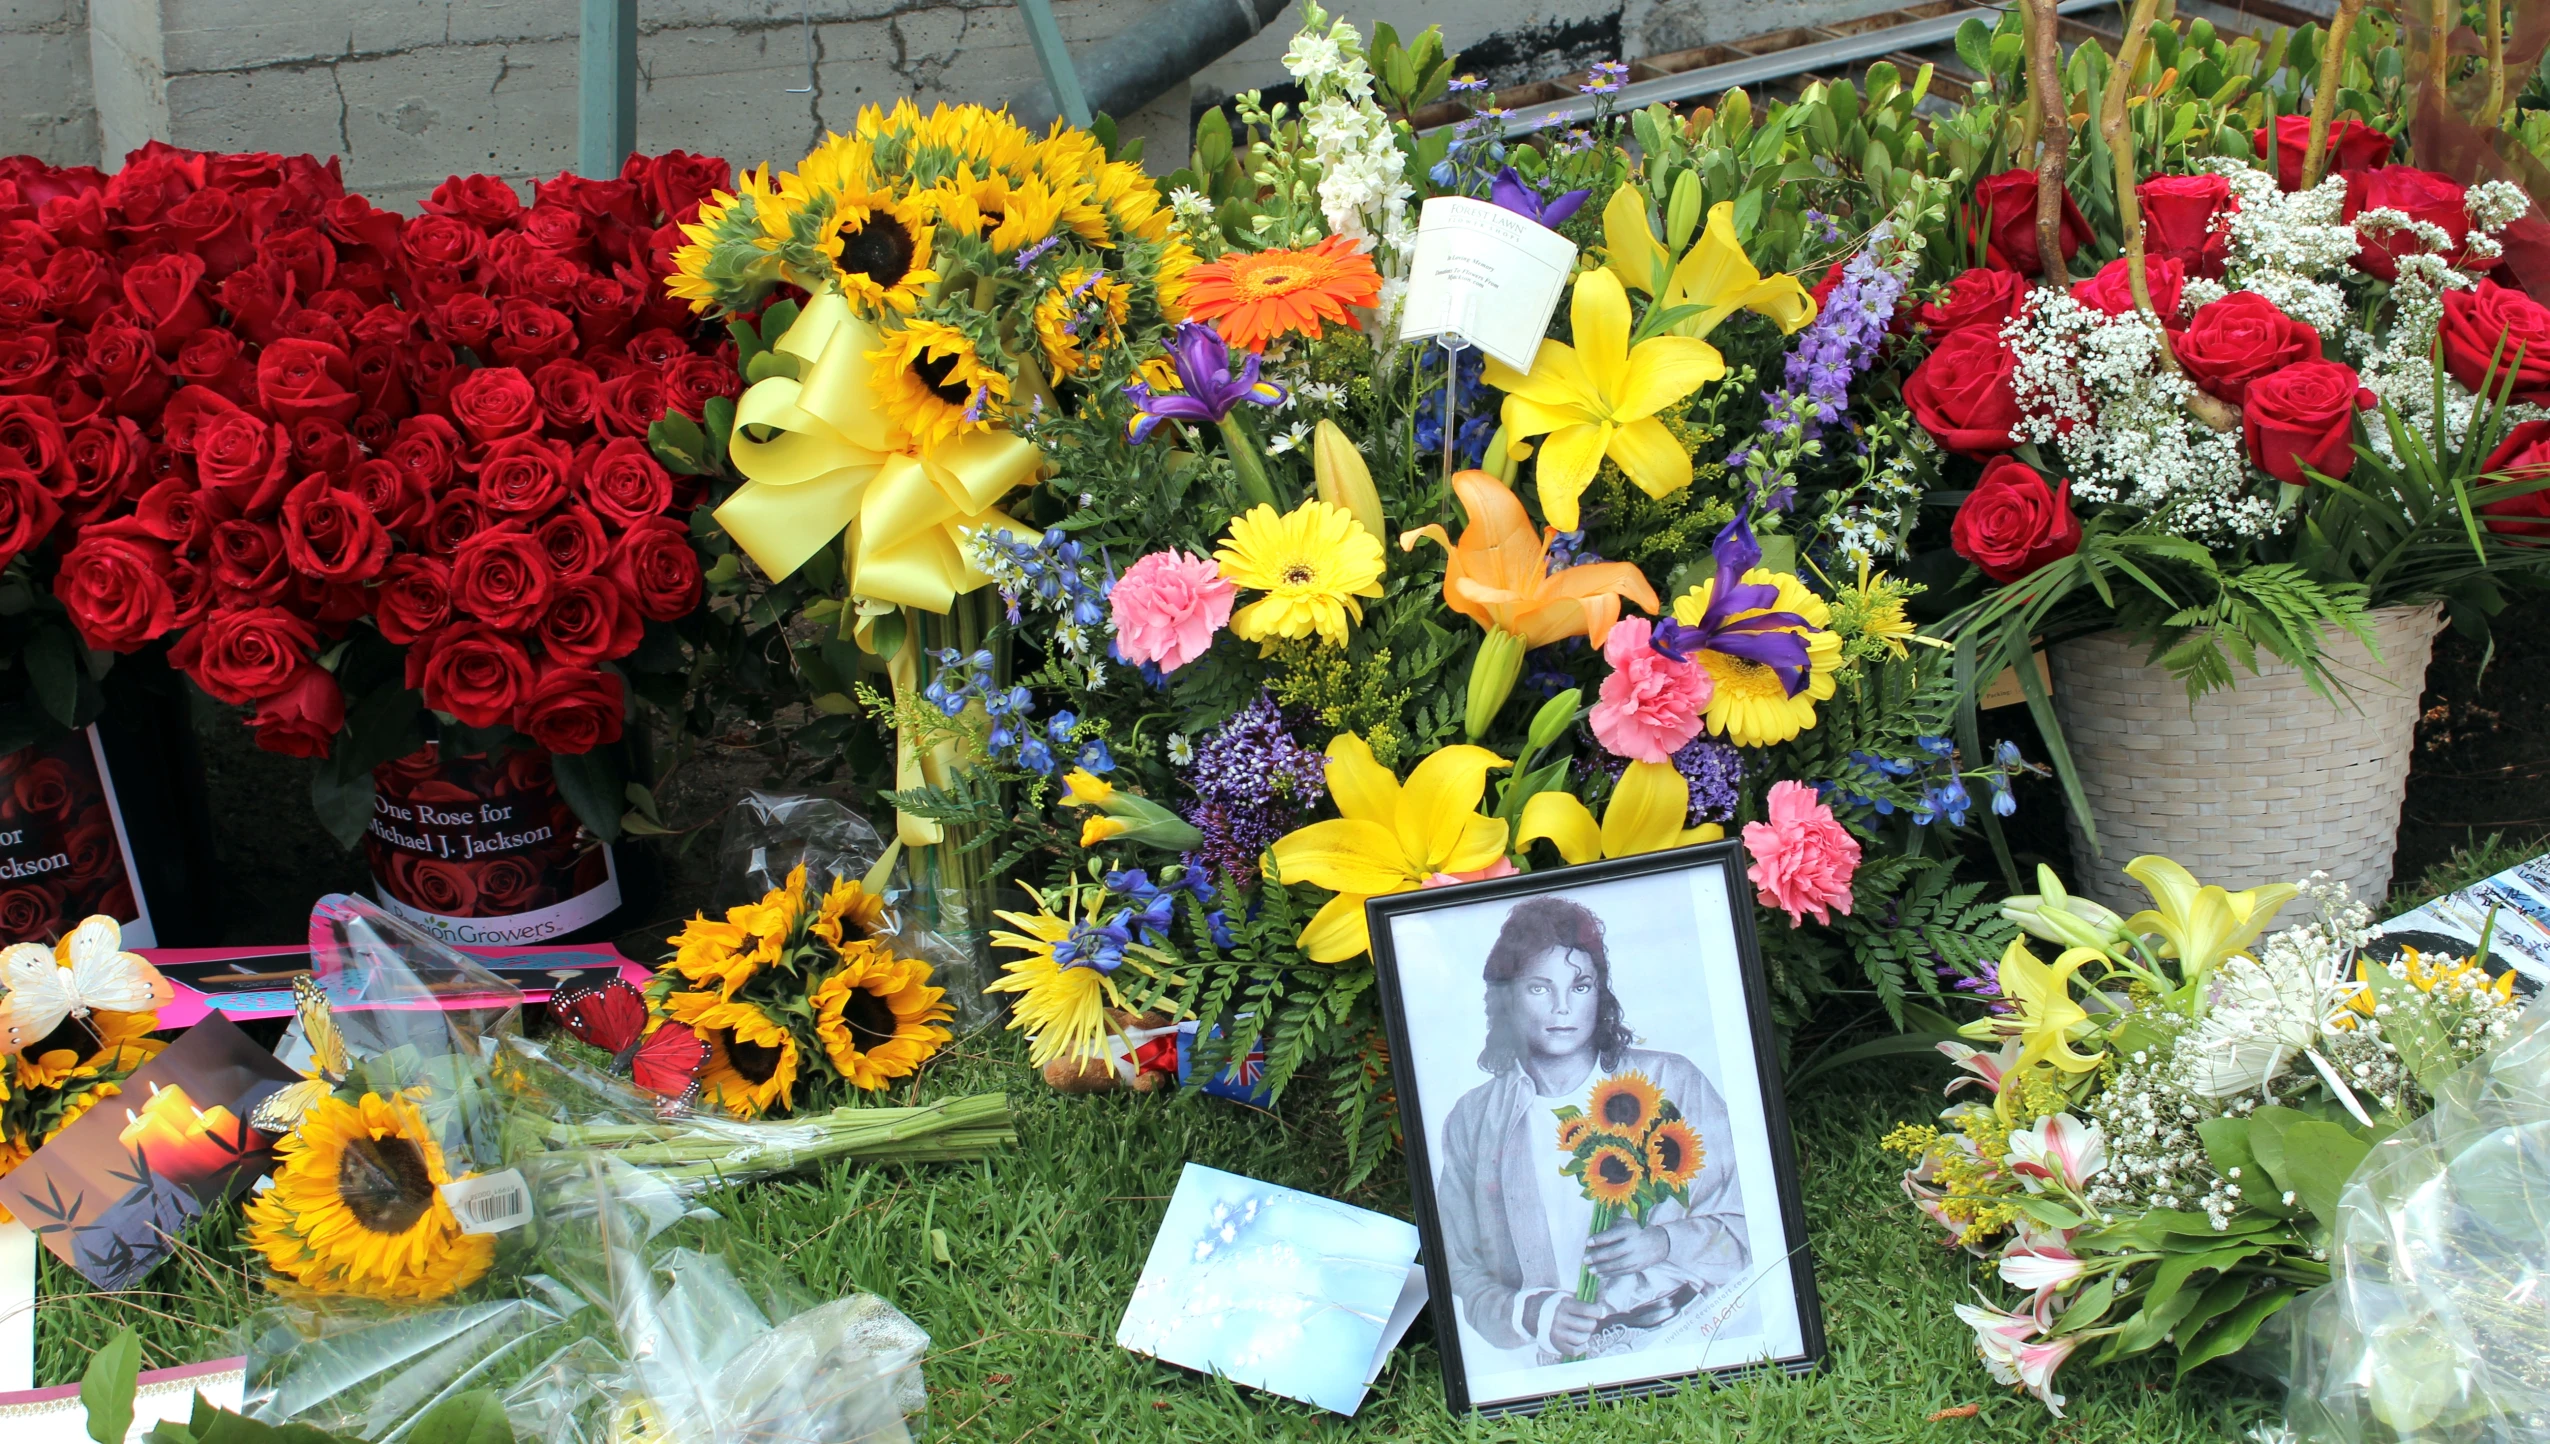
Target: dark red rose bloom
{"x":105,"y":456}
{"x":692,"y":381}
{"x":44,"y":789}
{"x":1962,"y":394}
{"x":677,"y":181}
{"x":257,"y":297}
{"x":312,"y":261}
{"x":31,"y":436}
{"x":458,"y":516}
{"x":2421,"y":195}
{"x":428,"y":451}
{"x":433,"y":369}
{"x":172,"y":511}
{"x":79,"y":286}
{"x":167,"y":296}
{"x":442,"y":247}
{"x":513,"y":883}
{"x":330,"y":534}
{"x":591,"y":620}
{"x":28,"y":359}
{"x":2502,"y":323}
{"x":2523,"y":456}
{"x":123,"y":365}
{"x":523,"y":476}
{"x":2234,"y":341}
{"x":243,"y":654}
{"x":30,"y":911}
{"x":2004,"y":212}
{"x":90,"y":845}
{"x":190,"y":583}
{"x":27,"y":512}
{"x":465,"y":318}
{"x":249,"y":567}
{"x":482,"y":200}
{"x":569,"y":393}
{"x":74,"y":401}
{"x":654,"y":563}
{"x":2304,"y":415}
{"x":502,"y":577}
{"x":38,"y":183}
{"x":572,"y":709}
{"x":631,"y":404}
{"x":303,"y":719}
{"x":2352,"y":146}
{"x":307,"y":378}
{"x":354,"y":221}
{"x":619,"y":200}
{"x":658,"y":348}
{"x":388,"y":494}
{"x":79,"y":220}
{"x":114,"y":583}
{"x":25,"y":243}
{"x":308,"y":323}
{"x":245,"y":170}
{"x":429,"y":884}
{"x":606,"y":310}
{"x":245,"y":459}
{"x":153,"y":179}
{"x":529,"y":334}
{"x":217,"y":360}
{"x":383,"y":326}
{"x":378,"y":382}
{"x":624,"y":482}
{"x":2012,"y":523}
{"x":2187,"y":218}
{"x":319,"y":444}
{"x":2112,"y":289}
{"x":531,"y":274}
{"x":574,"y":541}
{"x":210,"y":224}
{"x":610,"y":362}
{"x":23,"y":301}
{"x":495,"y":402}
{"x":472,"y":672}
{"x":414,"y":597}
{"x":559,"y":229}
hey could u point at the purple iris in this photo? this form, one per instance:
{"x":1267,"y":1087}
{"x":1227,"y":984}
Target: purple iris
{"x":1509,"y":191}
{"x":1203,"y":360}
{"x":1765,"y":638}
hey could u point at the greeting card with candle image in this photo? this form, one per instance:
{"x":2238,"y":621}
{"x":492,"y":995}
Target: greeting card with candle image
{"x":110,"y":1193}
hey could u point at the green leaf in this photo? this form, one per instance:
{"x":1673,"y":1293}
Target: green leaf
{"x":1974,"y":45}
{"x":342,"y":798}
{"x":719,"y":414}
{"x":107,"y":1386}
{"x":593,"y":785}
{"x":53,"y":665}
{"x":2318,"y":1159}
{"x":477,"y":1417}
{"x":2230,"y":1332}
{"x":2088,"y":1306}
{"x":678,"y":442}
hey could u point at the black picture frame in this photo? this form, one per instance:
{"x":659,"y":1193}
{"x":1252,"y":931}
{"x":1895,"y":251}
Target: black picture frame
{"x":1383,"y":913}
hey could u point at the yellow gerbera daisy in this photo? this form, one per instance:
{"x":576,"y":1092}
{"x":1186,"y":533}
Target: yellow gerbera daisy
{"x":1079,"y":318}
{"x":752,"y":1057}
{"x":1311,"y":563}
{"x":356,"y":1206}
{"x":877,"y":1015}
{"x":934,"y":385}
{"x":1750,"y":706}
{"x":1062,"y":1009}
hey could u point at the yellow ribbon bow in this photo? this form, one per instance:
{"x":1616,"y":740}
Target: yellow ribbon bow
{"x":835,"y":460}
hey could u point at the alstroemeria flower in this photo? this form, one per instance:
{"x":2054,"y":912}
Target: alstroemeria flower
{"x":1988,"y":1069}
{"x":2043,"y":1013}
{"x":2201,"y":926}
{"x":2044,"y":1268}
{"x":1644,"y":814}
{"x":1390,"y":837}
{"x":1715,"y":275}
{"x":2059,"y":1149}
{"x":2029,"y":1364}
{"x":1210,"y":390}
{"x":1510,"y":192}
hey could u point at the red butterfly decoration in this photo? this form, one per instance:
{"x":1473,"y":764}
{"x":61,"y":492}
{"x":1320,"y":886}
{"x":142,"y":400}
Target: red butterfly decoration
{"x":611,"y":1015}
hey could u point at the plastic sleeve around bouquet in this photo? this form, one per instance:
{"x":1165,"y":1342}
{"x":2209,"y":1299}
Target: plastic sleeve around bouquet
{"x":2435,"y":1326}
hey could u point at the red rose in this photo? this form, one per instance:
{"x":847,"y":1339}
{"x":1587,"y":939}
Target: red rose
{"x":569,"y":392}
{"x":2112,"y":289}
{"x":631,"y":404}
{"x":90,"y":846}
{"x":307,"y":378}
{"x":606,"y":310}
{"x":414,"y":598}
{"x":330,"y":534}
{"x":658,"y":348}
{"x":209,"y":224}
{"x":495,"y":402}
{"x":2523,"y":456}
{"x":154,"y":178}
{"x":31,"y":436}
{"x":466,"y":318}
{"x":30,"y":911}
{"x":217,"y":360}
{"x":167,"y":295}
{"x":482,"y":200}
{"x":591,"y":620}
{"x":2012,"y":523}
{"x":624,"y":483}
{"x":677,"y":181}
{"x":572,"y":709}
{"x":2304,"y":415}
{"x":114,"y":583}
{"x":377,"y":380}
{"x":529,"y":335}
{"x":2421,"y":195}
{"x":621,"y":200}
{"x":427,"y":450}
{"x":79,"y":286}
{"x":44,"y":789}
{"x":384,"y":326}
{"x":106,"y":465}
{"x":560,"y":229}
{"x":527,"y":273}
{"x":243,"y":459}
{"x":2352,"y":146}
{"x":387,"y":494}
{"x":319,"y":444}
{"x":28,"y":360}
{"x":123,"y":365}
{"x":257,"y":297}
{"x":441,"y":247}
{"x":243,"y":654}
{"x":2234,"y":341}
{"x":173,"y":512}
{"x":692,"y":381}
{"x":474,"y":673}
{"x":502,"y":577}
{"x":511,"y":884}
{"x":303,"y":719}
{"x":1980,"y":297}
{"x":190,"y":584}
{"x":573,"y":541}
{"x":248,"y":562}
{"x":1962,"y":395}
{"x":27,"y":512}
{"x":22,"y":297}
{"x":2187,"y":218}
{"x":523,"y":475}
{"x":2004,"y":211}
{"x":2502,"y":323}
{"x":444,"y":889}
{"x":654,"y":563}
{"x":433,"y":369}
{"x":457,"y":517}
{"x":312,"y":261}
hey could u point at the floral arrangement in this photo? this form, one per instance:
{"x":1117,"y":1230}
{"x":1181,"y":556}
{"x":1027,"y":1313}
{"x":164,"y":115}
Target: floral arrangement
{"x":2161,"y":1135}
{"x":82,"y":1061}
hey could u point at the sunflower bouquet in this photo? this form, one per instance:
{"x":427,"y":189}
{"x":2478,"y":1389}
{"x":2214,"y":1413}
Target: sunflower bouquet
{"x":1629,"y":1149}
{"x":74,"y":1063}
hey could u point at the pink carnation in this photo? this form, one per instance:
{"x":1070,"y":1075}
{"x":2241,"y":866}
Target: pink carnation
{"x":1651,"y":704}
{"x":1167,"y":607}
{"x":1802,"y":858}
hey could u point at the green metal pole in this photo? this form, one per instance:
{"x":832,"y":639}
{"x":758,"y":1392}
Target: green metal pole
{"x":1054,"y":58}
{"x":606,"y":87}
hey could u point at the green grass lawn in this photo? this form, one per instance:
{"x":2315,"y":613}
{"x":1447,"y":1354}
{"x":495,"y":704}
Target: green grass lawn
{"x":1046,"y":1241}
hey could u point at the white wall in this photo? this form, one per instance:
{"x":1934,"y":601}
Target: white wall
{"x":45,"y":105}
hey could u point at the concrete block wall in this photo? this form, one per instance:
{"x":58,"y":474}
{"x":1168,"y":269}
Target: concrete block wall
{"x":46,"y":108}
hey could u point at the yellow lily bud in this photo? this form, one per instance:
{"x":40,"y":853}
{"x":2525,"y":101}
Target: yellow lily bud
{"x":1100,"y":829}
{"x":1342,"y":478}
{"x":1082,"y":788}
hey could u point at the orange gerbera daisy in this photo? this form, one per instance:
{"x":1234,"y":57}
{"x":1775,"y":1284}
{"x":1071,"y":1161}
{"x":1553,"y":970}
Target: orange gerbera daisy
{"x":1254,"y":298}
{"x":1674,"y":1153}
{"x":1626,"y":1104}
{"x":1572,"y":1131}
{"x":1613,"y":1174}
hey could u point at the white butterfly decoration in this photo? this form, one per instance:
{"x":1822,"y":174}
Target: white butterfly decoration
{"x":2262,"y":1016}
{"x":87,"y":972}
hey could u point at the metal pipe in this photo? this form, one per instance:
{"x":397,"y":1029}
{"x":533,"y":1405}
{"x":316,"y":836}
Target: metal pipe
{"x":606,"y":87}
{"x":1173,"y":41}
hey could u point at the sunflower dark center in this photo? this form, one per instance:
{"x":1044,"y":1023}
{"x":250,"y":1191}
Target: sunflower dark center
{"x":934,"y":372}
{"x":869,"y":1018}
{"x":881,"y":250}
{"x":1620,"y":1108}
{"x":753,"y":1062}
{"x":1614,"y":1170}
{"x":1669,"y":1154}
{"x":384,"y":1183}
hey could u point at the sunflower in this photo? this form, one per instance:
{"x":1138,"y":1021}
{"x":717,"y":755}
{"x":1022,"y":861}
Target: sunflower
{"x":878,"y":1016}
{"x":50,"y":1069}
{"x":1572,"y":1131}
{"x":1254,"y":298}
{"x":934,"y":385}
{"x":880,"y":245}
{"x":1063,"y":1008}
{"x":1312,"y":563}
{"x":1175,"y":278}
{"x":849,"y":902}
{"x":1030,"y":213}
{"x":1626,"y":1104}
{"x":733,"y":261}
{"x":1674,"y":1153}
{"x":752,"y":1057}
{"x":1079,"y":317}
{"x":1751,"y":706}
{"x":124,"y":1041}
{"x":356,"y":1206}
{"x":79,"y":1107}
{"x":1613,"y":1174}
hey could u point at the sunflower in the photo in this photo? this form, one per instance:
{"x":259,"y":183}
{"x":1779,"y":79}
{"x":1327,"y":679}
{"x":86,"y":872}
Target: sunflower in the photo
{"x":877,"y":1015}
{"x":1674,"y":1153}
{"x":1253,"y":298}
{"x":357,"y":1207}
{"x":1625,"y":1104}
{"x":1613,"y":1174}
{"x":1572,"y":1131}
{"x":880,"y":245}
{"x":752,"y":1057}
{"x":934,"y":384}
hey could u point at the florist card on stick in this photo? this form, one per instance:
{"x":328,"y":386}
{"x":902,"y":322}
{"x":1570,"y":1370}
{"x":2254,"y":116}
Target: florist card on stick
{"x":112,"y":1191}
{"x":1486,"y":276}
{"x":1288,"y":1292}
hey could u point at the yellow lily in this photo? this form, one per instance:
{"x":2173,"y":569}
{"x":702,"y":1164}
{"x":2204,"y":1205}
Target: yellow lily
{"x":1390,"y":837}
{"x":1714,"y":275}
{"x":1126,"y":815}
{"x":2044,"y":1012}
{"x":2201,"y":926}
{"x":1341,"y":479}
{"x":1600,"y":397}
{"x":1644,"y":815}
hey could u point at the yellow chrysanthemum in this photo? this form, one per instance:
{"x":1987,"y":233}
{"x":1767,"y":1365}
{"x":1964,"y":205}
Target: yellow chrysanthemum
{"x":933,"y":384}
{"x":878,"y":1016}
{"x":356,"y":1207}
{"x":1080,"y":318}
{"x":752,"y":1057}
{"x":1312,"y":563}
{"x":1062,"y":1009}
{"x":1751,"y":706}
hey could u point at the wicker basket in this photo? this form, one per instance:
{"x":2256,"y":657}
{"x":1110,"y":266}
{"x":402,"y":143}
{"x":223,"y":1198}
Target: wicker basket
{"x":2266,"y":781}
